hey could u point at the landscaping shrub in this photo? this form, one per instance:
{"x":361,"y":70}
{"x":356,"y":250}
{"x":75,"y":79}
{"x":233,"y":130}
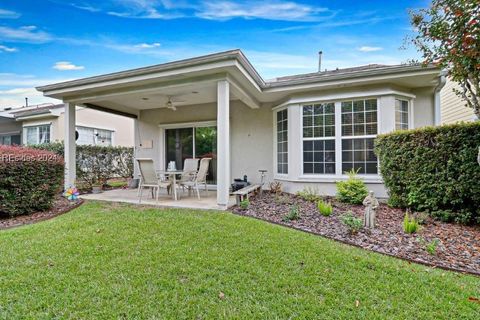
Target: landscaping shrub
{"x":293,"y":214}
{"x":244,"y":204}
{"x":324,"y":208}
{"x":434,"y":170}
{"x":353,"y":190}
{"x":29,"y":179}
{"x":353,"y":223}
{"x":96,"y":164}
{"x":309,"y":194}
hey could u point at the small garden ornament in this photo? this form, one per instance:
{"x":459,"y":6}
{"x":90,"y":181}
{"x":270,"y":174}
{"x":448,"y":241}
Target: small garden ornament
{"x":71,"y":194}
{"x":371,"y":204}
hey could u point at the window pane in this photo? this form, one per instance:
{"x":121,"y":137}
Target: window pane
{"x":359,"y":155}
{"x":86,"y":136}
{"x":347,"y":106}
{"x":363,"y":116}
{"x":401,"y":114}
{"x":282,"y":140}
{"x":317,"y":154}
{"x":32,"y":137}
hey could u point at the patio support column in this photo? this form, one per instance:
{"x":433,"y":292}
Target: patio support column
{"x":70,"y":146}
{"x":223,"y":143}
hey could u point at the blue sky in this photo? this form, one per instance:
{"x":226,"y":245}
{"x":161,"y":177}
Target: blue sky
{"x":46,"y":41}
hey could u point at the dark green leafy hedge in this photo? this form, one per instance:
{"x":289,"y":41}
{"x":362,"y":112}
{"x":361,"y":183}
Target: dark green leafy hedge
{"x":29,"y":180}
{"x":433,"y":170}
{"x":97,"y":164}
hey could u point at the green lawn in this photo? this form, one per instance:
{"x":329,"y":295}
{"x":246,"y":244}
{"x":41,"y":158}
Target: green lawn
{"x":104,"y":261}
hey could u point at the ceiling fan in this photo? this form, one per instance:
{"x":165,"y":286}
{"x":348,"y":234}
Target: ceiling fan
{"x":170,"y":104}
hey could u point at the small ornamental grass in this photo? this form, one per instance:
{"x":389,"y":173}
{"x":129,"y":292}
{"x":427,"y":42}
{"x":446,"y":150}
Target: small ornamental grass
{"x":29,"y":180}
{"x":324,"y":208}
{"x":309,"y":194}
{"x":410,"y":224}
{"x":353,"y":190}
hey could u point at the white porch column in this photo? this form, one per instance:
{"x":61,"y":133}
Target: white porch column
{"x":223,"y":143}
{"x":70,"y":146}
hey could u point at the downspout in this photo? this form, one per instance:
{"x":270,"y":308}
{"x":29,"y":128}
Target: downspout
{"x":437,"y":105}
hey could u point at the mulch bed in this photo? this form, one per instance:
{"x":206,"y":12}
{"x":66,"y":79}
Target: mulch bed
{"x":458,"y":249}
{"x":60,"y":206}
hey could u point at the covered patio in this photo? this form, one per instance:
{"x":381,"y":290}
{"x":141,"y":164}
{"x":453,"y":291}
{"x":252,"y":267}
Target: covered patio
{"x":168,"y":100}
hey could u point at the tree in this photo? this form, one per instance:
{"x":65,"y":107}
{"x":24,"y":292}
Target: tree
{"x":448,"y":34}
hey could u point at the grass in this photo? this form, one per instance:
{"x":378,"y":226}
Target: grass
{"x":111,"y":261}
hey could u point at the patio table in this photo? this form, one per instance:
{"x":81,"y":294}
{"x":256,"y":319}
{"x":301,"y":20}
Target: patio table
{"x":173,"y":177}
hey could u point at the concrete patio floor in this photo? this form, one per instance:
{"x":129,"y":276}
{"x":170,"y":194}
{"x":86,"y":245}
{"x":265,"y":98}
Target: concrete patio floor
{"x":207,"y":201}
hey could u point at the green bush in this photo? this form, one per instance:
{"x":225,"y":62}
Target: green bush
{"x":324,"y":208}
{"x":96,"y":164}
{"x":410,"y":224}
{"x":434,"y":170}
{"x":353,"y":190}
{"x":293,"y":214}
{"x":244,"y":204}
{"x":29,"y":180}
{"x":353,"y":223}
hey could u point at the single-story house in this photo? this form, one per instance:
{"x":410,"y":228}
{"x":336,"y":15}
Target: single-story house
{"x":305,"y":130}
{"x":453,"y":108}
{"x":45,"y":123}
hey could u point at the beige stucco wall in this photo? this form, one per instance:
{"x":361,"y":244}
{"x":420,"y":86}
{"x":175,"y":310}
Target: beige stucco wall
{"x":122,"y":127}
{"x":251,"y":135}
{"x":423,"y":107}
{"x":452,"y":106}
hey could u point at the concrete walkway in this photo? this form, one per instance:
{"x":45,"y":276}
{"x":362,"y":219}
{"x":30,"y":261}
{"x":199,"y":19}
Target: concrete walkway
{"x":207,"y":201}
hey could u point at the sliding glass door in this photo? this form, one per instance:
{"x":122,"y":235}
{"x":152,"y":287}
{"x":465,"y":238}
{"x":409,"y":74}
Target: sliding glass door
{"x":192,"y":142}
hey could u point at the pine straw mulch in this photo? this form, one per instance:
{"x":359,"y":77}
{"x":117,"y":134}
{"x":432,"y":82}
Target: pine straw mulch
{"x":458,"y":249}
{"x":60,"y":206}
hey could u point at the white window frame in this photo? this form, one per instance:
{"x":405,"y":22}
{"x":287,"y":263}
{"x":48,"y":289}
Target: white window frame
{"x":36,"y":126}
{"x":334,"y":138}
{"x":409,"y":112}
{"x":275,"y":142}
{"x":95,"y":131}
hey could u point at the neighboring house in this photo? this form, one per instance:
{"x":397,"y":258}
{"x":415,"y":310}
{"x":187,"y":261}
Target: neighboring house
{"x":45,"y":123}
{"x":454,"y":109}
{"x":306,"y":130}
{"x":10,"y":130}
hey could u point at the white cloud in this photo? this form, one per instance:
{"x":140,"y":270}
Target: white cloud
{"x":66,"y":66}
{"x":7,"y":49}
{"x":147,"y":45}
{"x":8,"y":14}
{"x":270,"y":10}
{"x":28,"y":34}
{"x":369,"y":49}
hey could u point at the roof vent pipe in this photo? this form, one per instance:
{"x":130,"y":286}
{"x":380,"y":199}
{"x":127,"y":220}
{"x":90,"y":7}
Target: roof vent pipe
{"x":320,"y":61}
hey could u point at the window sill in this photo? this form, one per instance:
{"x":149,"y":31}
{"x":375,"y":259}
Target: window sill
{"x":377,"y":179}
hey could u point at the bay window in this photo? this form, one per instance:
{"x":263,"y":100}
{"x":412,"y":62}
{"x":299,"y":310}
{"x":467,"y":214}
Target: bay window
{"x":282,"y":141}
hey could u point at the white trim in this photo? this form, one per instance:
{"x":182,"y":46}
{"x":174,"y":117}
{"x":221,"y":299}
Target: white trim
{"x":338,"y":97}
{"x":198,"y":124}
{"x":333,"y":178}
{"x":11,"y":133}
{"x":92,"y":127}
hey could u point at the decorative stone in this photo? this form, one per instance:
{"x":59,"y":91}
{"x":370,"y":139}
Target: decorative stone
{"x":371,"y":204}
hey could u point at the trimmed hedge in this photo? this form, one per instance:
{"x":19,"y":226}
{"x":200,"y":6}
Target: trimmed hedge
{"x":433,"y":169}
{"x":96,"y":164}
{"x":29,"y":179}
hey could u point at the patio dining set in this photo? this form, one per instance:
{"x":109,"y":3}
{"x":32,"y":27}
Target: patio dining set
{"x":191,"y":178}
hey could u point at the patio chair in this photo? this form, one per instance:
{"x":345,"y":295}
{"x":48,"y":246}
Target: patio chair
{"x":200,"y":178}
{"x":149,"y":179}
{"x":190,"y":167}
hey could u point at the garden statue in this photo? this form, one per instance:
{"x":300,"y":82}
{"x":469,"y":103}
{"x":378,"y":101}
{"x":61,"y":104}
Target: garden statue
{"x":371,"y":204}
